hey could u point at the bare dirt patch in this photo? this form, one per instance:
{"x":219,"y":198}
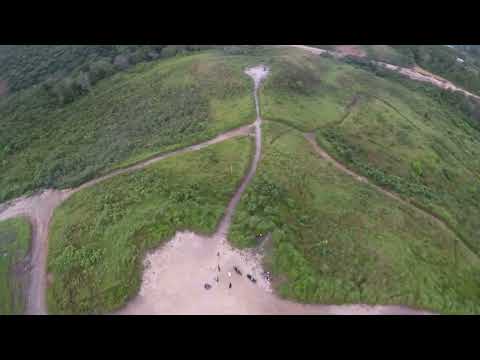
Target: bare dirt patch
{"x":351,"y":50}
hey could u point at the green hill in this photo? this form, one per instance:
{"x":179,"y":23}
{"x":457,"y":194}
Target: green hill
{"x":149,"y":108}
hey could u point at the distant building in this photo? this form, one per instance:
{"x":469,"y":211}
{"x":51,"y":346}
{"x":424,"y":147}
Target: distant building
{"x":461,"y":61}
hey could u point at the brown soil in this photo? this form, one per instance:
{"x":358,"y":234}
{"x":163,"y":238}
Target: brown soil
{"x":351,"y":50}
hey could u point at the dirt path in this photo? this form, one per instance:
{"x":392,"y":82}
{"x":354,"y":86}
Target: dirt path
{"x":311,"y":139}
{"x":412,"y":73}
{"x":39,"y":210}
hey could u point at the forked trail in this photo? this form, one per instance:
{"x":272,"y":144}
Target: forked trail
{"x":175,"y":273}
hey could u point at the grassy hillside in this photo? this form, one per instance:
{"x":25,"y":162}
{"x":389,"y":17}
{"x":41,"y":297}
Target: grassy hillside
{"x":336,"y":241}
{"x":404,"y":135}
{"x":384,"y":53}
{"x":15,"y":237}
{"x":150,"y":108}
{"x":99,"y":236}
{"x":22,"y":66}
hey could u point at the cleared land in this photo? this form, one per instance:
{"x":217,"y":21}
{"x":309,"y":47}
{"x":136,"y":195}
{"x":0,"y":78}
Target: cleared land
{"x":14,"y":245}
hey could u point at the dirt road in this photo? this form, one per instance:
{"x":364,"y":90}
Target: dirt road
{"x":412,"y":73}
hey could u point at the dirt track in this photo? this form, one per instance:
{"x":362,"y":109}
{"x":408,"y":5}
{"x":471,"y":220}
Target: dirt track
{"x":412,"y":73}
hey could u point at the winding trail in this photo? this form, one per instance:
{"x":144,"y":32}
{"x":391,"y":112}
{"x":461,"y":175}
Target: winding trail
{"x":339,"y":166}
{"x":412,"y":73}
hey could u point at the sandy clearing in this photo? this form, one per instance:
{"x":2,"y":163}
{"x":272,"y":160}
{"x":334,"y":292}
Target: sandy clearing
{"x":173,"y":284}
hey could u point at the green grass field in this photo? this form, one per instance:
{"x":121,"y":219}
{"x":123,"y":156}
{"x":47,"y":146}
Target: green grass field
{"x":99,"y":236}
{"x":337,"y":241}
{"x":150,"y":108}
{"x":15,"y":237}
{"x":409,"y":139}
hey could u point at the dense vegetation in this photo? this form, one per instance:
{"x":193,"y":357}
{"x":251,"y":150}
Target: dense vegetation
{"x":337,"y":241}
{"x":70,"y":70}
{"x":149,"y":108}
{"x":99,"y":236}
{"x":405,"y":135}
{"x":14,"y":244}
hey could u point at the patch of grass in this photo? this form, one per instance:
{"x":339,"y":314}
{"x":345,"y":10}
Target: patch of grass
{"x":99,"y":236}
{"x":15,"y":235}
{"x":416,"y":140}
{"x":149,"y":108}
{"x":338,"y":241}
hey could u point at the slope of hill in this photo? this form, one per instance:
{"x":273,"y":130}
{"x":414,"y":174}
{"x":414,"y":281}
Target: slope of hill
{"x":337,"y":241}
{"x":392,"y":219}
{"x":22,"y":66}
{"x":149,"y":108}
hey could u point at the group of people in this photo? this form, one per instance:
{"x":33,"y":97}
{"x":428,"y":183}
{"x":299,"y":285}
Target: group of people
{"x":236,"y":269}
